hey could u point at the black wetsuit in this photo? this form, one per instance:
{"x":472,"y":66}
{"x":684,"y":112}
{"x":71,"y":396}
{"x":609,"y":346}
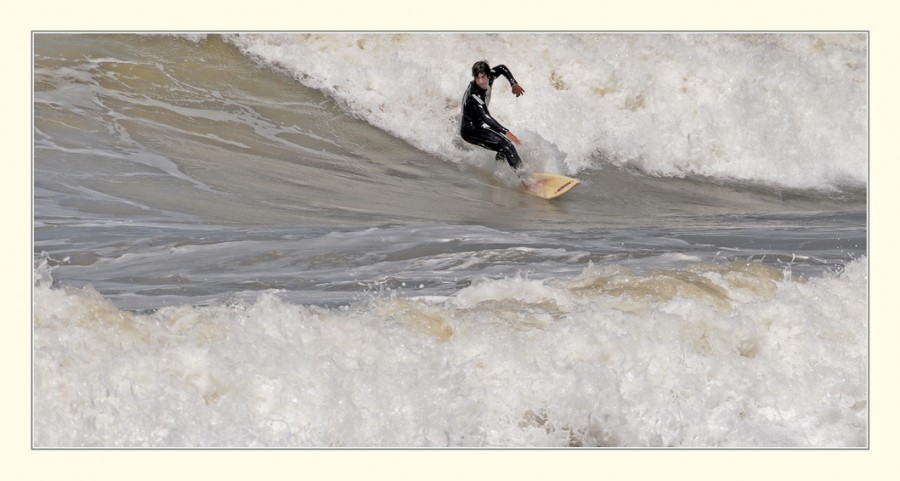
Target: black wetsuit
{"x":479,"y":128}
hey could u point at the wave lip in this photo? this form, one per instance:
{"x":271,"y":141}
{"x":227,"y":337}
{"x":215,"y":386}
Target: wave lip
{"x":787,"y":110}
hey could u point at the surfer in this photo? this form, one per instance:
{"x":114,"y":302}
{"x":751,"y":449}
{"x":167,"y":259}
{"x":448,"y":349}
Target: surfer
{"x":477,"y":126}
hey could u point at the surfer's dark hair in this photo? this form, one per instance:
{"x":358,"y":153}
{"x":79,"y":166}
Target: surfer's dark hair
{"x":481,"y":66}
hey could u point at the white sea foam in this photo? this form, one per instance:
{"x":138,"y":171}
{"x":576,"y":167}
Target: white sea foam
{"x":788,"y":110}
{"x":709,"y":355}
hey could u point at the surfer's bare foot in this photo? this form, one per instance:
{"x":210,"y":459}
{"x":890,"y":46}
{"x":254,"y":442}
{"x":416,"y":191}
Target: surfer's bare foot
{"x":527,"y":180}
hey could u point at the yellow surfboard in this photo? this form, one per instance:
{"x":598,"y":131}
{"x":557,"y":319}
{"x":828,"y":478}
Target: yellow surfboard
{"x":550,"y":186}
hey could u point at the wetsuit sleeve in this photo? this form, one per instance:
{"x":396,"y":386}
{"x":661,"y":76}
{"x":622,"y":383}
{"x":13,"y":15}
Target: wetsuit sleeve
{"x":489,"y":120}
{"x":475,"y":112}
{"x":502,"y":70}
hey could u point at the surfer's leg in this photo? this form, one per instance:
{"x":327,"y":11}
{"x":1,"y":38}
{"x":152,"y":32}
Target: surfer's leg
{"x":498,"y":143}
{"x":508,"y":153}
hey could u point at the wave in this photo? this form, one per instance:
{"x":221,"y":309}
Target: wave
{"x":239,"y":262}
{"x":707,"y":355}
{"x":786,"y":110}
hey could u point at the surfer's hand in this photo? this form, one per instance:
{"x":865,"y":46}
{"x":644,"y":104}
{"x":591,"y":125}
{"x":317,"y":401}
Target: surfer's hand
{"x":518,"y":90}
{"x":511,"y":136}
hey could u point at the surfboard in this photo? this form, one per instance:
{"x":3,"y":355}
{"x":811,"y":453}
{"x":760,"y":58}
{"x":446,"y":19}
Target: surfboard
{"x":550,"y":186}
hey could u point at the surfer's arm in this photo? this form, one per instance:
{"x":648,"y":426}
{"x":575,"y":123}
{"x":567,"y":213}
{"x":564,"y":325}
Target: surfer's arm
{"x":488,"y":122}
{"x":502,"y":70}
{"x":485,"y":119}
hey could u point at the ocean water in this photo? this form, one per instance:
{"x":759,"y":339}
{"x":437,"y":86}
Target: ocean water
{"x":279,"y":240}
